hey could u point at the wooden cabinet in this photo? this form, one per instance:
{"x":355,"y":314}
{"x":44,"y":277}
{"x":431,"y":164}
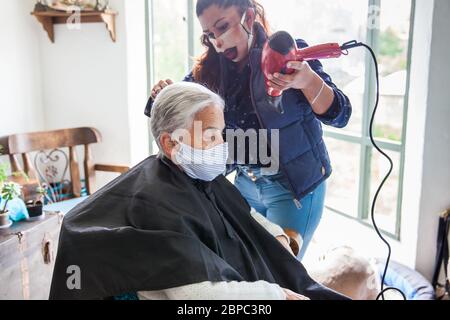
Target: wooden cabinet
{"x":27,"y":257}
{"x":27,"y":254}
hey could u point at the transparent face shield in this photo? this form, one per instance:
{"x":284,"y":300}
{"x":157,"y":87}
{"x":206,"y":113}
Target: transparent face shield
{"x":227,"y":37}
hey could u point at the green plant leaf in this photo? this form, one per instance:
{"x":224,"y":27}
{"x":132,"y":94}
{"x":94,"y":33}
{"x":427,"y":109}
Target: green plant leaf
{"x":4,"y":167}
{"x":11,"y":190}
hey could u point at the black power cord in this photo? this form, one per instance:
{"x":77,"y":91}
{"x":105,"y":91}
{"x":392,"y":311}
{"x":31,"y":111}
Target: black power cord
{"x":345,"y":47}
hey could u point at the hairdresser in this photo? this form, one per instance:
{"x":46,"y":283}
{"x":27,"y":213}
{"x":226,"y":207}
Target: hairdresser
{"x":234,"y":32}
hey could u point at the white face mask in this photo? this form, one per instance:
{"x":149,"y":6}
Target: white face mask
{"x":201,"y":164}
{"x":227,"y":35}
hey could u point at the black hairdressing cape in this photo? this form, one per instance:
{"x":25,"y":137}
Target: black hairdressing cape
{"x":155,"y":228}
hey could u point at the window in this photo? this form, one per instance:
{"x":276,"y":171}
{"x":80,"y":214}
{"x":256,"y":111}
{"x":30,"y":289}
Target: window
{"x":170,"y":40}
{"x":385,"y":26}
{"x":167,"y":43}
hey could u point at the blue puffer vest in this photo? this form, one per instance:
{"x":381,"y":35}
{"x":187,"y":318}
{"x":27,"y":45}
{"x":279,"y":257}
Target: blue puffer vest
{"x":303,"y":156}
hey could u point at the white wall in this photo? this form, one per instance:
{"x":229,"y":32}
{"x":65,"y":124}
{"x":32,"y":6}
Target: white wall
{"x":21,"y":108}
{"x":435,"y":186}
{"x":85,"y":83}
{"x":88,"y":80}
{"x":83,"y":79}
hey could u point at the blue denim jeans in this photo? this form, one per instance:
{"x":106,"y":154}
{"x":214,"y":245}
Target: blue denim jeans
{"x":270,"y":196}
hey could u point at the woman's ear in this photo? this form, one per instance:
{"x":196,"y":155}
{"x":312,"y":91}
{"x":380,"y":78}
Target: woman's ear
{"x":250,"y":18}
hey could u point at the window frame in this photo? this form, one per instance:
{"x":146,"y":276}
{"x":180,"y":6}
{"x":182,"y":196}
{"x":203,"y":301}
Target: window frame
{"x":150,"y":52}
{"x":363,"y":138}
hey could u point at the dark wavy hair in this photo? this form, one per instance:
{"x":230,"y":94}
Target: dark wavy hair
{"x":207,"y":66}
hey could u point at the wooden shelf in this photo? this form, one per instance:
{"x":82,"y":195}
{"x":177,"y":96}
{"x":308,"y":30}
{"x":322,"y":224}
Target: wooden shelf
{"x":49,"y":18}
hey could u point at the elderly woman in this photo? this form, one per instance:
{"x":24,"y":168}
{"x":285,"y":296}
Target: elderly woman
{"x":174,"y":227}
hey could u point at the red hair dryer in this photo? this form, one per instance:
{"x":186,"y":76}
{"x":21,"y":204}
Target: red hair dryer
{"x":282,"y":48}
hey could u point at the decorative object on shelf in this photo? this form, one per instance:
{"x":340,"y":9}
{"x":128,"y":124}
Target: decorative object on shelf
{"x":51,"y":12}
{"x":102,"y":5}
{"x":41,"y":5}
{"x":69,"y":5}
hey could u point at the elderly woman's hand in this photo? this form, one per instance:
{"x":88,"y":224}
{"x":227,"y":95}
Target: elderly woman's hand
{"x":291,"y":295}
{"x":159,"y":86}
{"x":302,"y":78}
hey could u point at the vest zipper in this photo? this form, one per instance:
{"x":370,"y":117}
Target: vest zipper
{"x":261,"y":124}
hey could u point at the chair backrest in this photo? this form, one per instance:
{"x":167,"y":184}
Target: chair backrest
{"x":48,"y":147}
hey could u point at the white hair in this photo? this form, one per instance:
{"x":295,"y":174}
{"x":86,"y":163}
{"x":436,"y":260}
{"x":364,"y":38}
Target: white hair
{"x":176,"y":106}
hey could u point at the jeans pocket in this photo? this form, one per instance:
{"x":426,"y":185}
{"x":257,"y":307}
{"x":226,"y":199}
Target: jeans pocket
{"x":282,"y":182}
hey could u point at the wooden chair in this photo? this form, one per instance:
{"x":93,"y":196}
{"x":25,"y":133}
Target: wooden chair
{"x":23,"y":145}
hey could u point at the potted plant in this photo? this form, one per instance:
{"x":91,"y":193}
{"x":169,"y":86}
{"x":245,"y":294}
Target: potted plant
{"x":35,"y":208}
{"x":8,"y":192}
{"x":4,"y":217}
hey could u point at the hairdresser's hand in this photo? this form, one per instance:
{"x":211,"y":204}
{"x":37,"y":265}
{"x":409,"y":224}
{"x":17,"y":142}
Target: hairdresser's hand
{"x":302,"y":78}
{"x":319,"y":94}
{"x":291,"y":295}
{"x":159,"y":86}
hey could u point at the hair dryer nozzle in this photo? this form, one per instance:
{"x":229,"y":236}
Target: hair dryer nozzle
{"x":282,"y":42}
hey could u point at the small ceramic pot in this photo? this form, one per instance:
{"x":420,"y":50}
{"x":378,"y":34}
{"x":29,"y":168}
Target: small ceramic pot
{"x":4,"y":219}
